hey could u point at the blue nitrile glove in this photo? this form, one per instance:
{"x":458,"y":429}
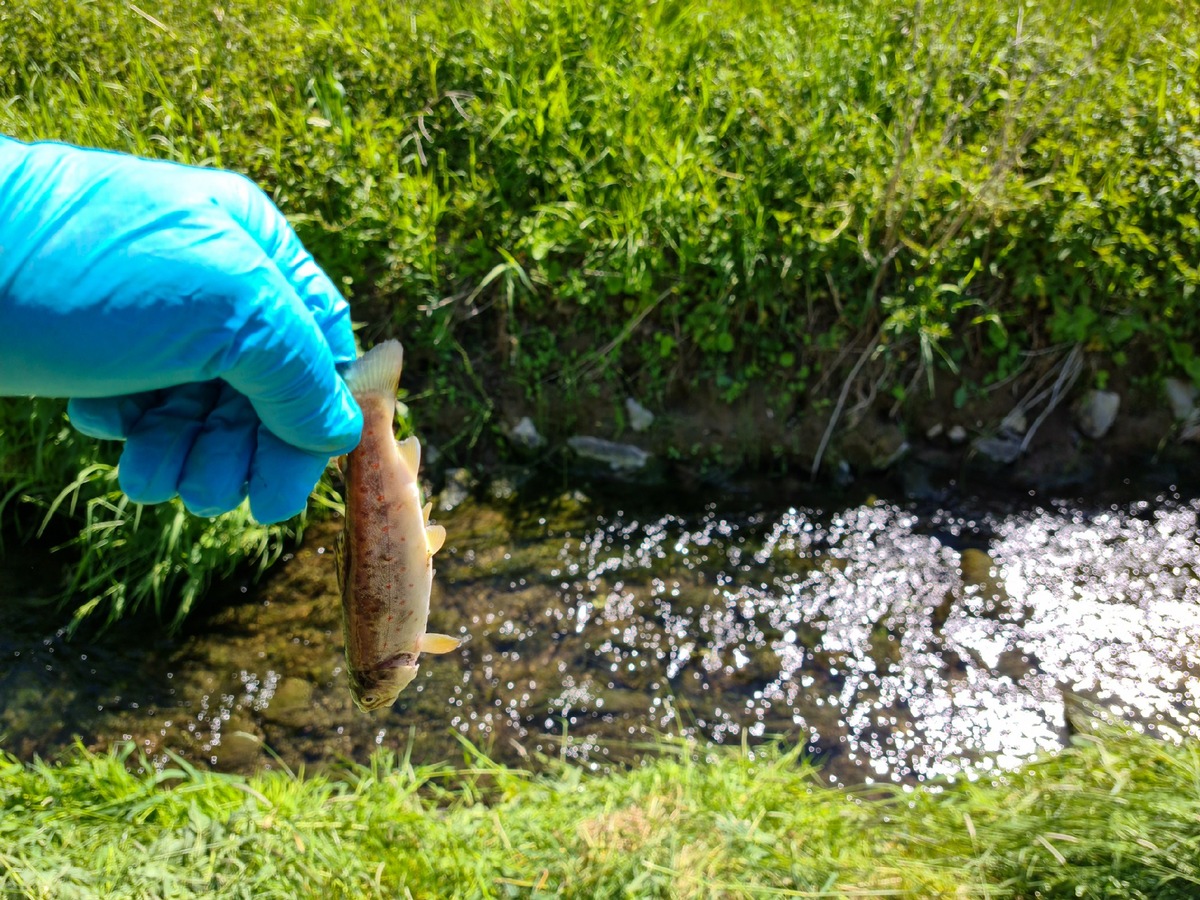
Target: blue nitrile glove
{"x":180,"y":312}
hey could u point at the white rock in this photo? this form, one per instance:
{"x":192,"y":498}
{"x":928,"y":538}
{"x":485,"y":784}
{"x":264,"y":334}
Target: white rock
{"x":619,"y":456}
{"x":1015,"y":422}
{"x":1182,"y":397}
{"x":957,"y":434}
{"x":934,"y":430}
{"x":640,"y":418}
{"x":1097,"y":412}
{"x":1001,"y":449}
{"x":525,"y":434}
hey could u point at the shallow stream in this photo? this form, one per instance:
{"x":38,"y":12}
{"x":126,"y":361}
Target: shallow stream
{"x":897,"y":640}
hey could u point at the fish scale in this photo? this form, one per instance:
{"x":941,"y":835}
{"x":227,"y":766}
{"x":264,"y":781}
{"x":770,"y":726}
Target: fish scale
{"x":385,"y":551}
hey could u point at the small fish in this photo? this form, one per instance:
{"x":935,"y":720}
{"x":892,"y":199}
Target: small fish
{"x":385,"y":552}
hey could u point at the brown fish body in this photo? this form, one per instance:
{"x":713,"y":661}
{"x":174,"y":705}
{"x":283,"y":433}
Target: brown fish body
{"x":385,"y":558}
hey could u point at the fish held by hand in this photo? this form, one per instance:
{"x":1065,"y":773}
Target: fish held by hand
{"x":385,"y":551}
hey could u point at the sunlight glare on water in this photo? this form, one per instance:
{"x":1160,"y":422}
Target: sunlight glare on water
{"x":896,"y":643}
{"x":867,"y":635}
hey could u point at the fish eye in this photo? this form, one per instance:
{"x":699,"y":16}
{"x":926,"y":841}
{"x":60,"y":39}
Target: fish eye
{"x":369,"y":699}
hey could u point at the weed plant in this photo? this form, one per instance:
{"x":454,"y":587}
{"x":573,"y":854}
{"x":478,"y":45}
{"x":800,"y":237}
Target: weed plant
{"x":553,"y":202}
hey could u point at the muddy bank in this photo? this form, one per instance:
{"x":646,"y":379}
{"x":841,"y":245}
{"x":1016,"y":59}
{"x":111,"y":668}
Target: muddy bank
{"x":1033,"y":431}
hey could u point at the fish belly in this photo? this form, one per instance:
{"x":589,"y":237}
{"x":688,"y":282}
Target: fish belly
{"x":388,"y":573}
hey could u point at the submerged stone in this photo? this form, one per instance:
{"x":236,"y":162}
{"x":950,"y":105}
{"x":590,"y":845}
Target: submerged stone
{"x":239,"y":746}
{"x":291,"y":705}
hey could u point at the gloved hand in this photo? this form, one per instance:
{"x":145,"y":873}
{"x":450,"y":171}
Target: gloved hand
{"x":180,"y":312}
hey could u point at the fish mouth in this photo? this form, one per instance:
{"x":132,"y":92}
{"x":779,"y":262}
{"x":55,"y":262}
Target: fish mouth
{"x":379,"y":686}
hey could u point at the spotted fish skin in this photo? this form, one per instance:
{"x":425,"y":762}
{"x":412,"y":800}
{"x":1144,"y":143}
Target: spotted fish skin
{"x":385,"y":552}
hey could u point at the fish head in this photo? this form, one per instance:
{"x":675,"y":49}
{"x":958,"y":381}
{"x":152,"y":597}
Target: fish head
{"x":379,"y":686}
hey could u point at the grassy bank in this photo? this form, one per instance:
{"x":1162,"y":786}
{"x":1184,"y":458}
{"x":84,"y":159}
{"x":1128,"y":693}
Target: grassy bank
{"x":778,"y":208}
{"x":1114,"y":816}
{"x":61,"y":489}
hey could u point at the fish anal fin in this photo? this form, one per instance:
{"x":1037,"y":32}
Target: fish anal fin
{"x":434,"y":643}
{"x":435,"y":537}
{"x":410,"y":452}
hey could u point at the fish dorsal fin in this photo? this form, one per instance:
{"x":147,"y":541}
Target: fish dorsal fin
{"x":410,"y":452}
{"x":339,"y":559}
{"x":435,"y":537}
{"x":377,"y":371}
{"x":432,"y":642}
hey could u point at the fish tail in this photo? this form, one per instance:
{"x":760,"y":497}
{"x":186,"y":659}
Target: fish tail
{"x":377,"y":371}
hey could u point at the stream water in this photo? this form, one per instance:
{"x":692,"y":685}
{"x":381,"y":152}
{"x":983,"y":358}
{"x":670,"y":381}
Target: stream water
{"x":897,"y":640}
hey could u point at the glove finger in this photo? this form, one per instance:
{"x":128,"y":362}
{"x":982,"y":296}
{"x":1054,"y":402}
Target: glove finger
{"x":281,"y":360}
{"x":281,"y":478}
{"x":110,"y":418}
{"x":217,"y":468}
{"x":158,"y":445}
{"x":251,"y":208}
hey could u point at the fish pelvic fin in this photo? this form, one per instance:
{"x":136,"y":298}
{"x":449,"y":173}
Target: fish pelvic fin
{"x":434,"y":643}
{"x":410,"y":453}
{"x":377,"y":371}
{"x":435,"y":537}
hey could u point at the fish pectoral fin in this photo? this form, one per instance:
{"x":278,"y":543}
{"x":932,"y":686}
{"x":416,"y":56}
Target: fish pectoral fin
{"x":410,"y":452}
{"x":432,"y":642}
{"x":426,"y":511}
{"x":435,"y":537}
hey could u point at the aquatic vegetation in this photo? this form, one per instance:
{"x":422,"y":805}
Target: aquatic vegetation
{"x":1114,"y":815}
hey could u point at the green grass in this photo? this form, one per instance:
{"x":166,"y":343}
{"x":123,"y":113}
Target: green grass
{"x":557,"y":202}
{"x":1115,"y":816}
{"x":61,"y":488}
